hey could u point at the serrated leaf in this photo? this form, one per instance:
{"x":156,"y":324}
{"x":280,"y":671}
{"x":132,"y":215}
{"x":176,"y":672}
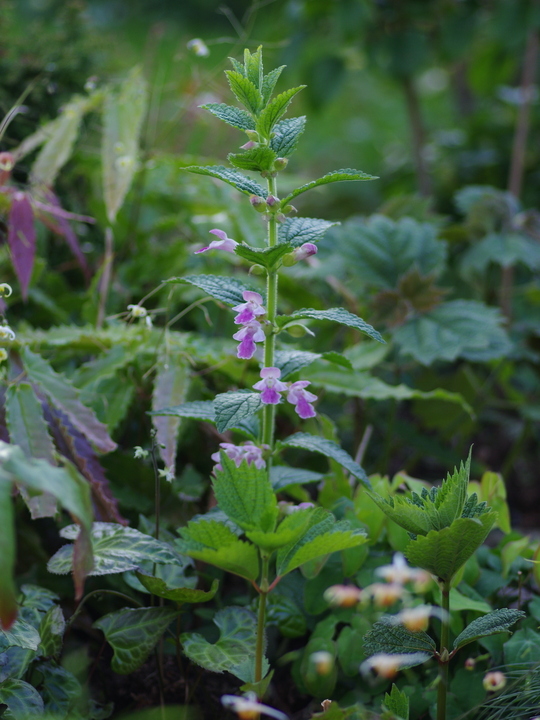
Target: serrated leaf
{"x":116,"y":549}
{"x":290,"y":361}
{"x":171,"y":385}
{"x":238,"y":67}
{"x":65,"y":397}
{"x":286,"y":135}
{"x":23,"y":700}
{"x":244,"y":91}
{"x":328,"y":448}
{"x":391,"y":638}
{"x":332,"y":177}
{"x":397,"y":702}
{"x":505,"y":250}
{"x":269,"y":83}
{"x":197,"y":410}
{"x":234,"y":116}
{"x":157,"y":586}
{"x":21,"y":634}
{"x":339,"y":315}
{"x":443,"y":552}
{"x":267,"y":257}
{"x":233,"y":407}
{"x":275,"y":109}
{"x":253,"y":66}
{"x":22,"y":239}
{"x":490,"y":624}
{"x":337,"y":359}
{"x":452,"y":494}
{"x":237,"y":639}
{"x":133,"y":633}
{"x":60,"y":689}
{"x":297,"y":231}
{"x":281,"y":476}
{"x":259,"y":159}
{"x":232,"y":177}
{"x":404,"y":513}
{"x":51,"y":631}
{"x":227,"y":290}
{"x":38,"y":598}
{"x":245,"y":495}
{"x":123,"y":114}
{"x":285,"y":614}
{"x":288,"y":531}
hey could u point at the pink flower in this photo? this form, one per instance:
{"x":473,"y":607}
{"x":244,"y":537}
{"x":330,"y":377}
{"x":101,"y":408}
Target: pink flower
{"x":238,"y":453}
{"x":270,"y":385}
{"x":250,"y":334}
{"x":304,"y":251}
{"x":249,"y":310}
{"x":302,"y":399}
{"x":224,"y":243}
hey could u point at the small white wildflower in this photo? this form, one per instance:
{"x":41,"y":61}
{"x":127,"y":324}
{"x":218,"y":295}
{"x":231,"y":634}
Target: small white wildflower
{"x":323,"y":661}
{"x":6,"y":333}
{"x":247,"y":707}
{"x":148,"y":321}
{"x":400,"y":573}
{"x":137,"y":311}
{"x":5,"y":290}
{"x":342,"y":595}
{"x":494,"y":681}
{"x":167,"y":473}
{"x":416,"y":618}
{"x":383,"y":595}
{"x":388,"y":666}
{"x":140,"y":453}
{"x":198,"y":47}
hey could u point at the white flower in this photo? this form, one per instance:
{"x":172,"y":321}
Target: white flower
{"x":167,"y":473}
{"x":494,"y":681}
{"x":198,"y":47}
{"x":247,"y":707}
{"x":323,"y":661}
{"x":137,"y":311}
{"x":383,"y":595}
{"x":388,"y":666}
{"x":140,"y":453}
{"x":6,"y":333}
{"x":5,"y":290}
{"x":400,"y":573}
{"x":342,"y":595}
{"x":416,"y":618}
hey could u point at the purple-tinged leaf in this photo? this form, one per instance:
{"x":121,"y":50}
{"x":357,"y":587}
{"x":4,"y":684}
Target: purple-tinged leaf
{"x":66,"y":398}
{"x":22,"y":239}
{"x":58,"y":211}
{"x":170,"y":388}
{"x":63,"y":228}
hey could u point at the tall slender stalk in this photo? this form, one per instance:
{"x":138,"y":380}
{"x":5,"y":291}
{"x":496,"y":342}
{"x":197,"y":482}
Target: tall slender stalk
{"x":444,"y":658}
{"x":271,"y":310}
{"x":261,"y":618}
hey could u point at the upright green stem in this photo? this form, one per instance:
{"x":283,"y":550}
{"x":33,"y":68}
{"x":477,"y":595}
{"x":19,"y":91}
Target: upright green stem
{"x":444,"y":659}
{"x":261,"y":619}
{"x":271,"y":311}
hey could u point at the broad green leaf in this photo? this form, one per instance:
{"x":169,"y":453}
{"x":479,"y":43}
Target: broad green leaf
{"x":267,"y":257}
{"x":15,"y":662}
{"x":232,"y":177}
{"x":443,"y":552}
{"x":522,"y":651}
{"x":245,"y":495}
{"x":51,"y":631}
{"x":244,"y":91}
{"x":238,"y":67}
{"x":288,"y":531}
{"x":490,"y":624}
{"x":259,"y":159}
{"x":38,"y":598}
{"x":232,"y":407}
{"x":404,"y":513}
{"x":269,"y":83}
{"x":253,"y":67}
{"x":65,"y":397}
{"x":460,"y":602}
{"x":339,"y":315}
{"x":459,"y":328}
{"x":503,"y":249}
{"x":21,"y":634}
{"x":116,"y":549}
{"x":23,"y":700}
{"x":281,"y":476}
{"x":213,"y":542}
{"x":328,"y":448}
{"x":104,"y":366}
{"x":133,"y":633}
{"x":297,"y":231}
{"x":224,"y":289}
{"x":60,"y":689}
{"x":157,"y":586}
{"x":451,"y":496}
{"x":389,"y":637}
{"x":171,"y":385}
{"x":8,"y":590}
{"x":275,"y":109}
{"x":397,"y":702}
{"x":290,"y":361}
{"x":337,"y":359}
{"x":286,"y":135}
{"x":284,"y":613}
{"x":237,"y":639}
{"x":232,"y":115}
{"x":332,"y":177}
{"x":123,"y":114}
{"x":512,"y":551}
{"x":198,"y":410}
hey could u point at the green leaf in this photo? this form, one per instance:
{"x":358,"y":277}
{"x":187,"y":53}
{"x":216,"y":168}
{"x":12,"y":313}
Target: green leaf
{"x":236,"y":643}
{"x":232,"y":177}
{"x":21,"y":634}
{"x":288,"y":531}
{"x":285,"y":614}
{"x":65,"y":397}
{"x":281,"y":476}
{"x":267,"y":257}
{"x":328,"y":448}
{"x":38,"y":598}
{"x":213,"y":542}
{"x":198,"y":410}
{"x":233,"y":407}
{"x":494,"y":622}
{"x":459,"y":328}
{"x":522,"y":651}
{"x":171,"y":385}
{"x":253,"y":67}
{"x":290,"y":361}
{"x":157,"y":586}
{"x":22,"y":699}
{"x":337,"y":359}
{"x":245,"y":91}
{"x":123,"y":114}
{"x":332,"y":177}
{"x":116,"y":549}
{"x":404,"y":513}
{"x":259,"y":159}
{"x":339,"y":315}
{"x":238,"y":67}
{"x":133,"y":633}
{"x":504,"y":249}
{"x":245,"y":495}
{"x":286,"y":135}
{"x":275,"y":109}
{"x":269,"y":83}
{"x":451,"y":496}
{"x":60,"y":689}
{"x":391,"y":638}
{"x":232,"y":115}
{"x":51,"y":631}
{"x":297,"y":231}
{"x":8,"y":590}
{"x":443,"y":552}
{"x":397,"y":702}
{"x":224,"y":289}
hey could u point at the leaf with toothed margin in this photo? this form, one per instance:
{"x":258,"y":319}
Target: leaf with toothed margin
{"x":267,"y":257}
{"x":244,"y":91}
{"x":494,"y":622}
{"x":391,"y":638}
{"x":259,"y":159}
{"x":157,"y":586}
{"x":275,"y":109}
{"x":290,"y":361}
{"x":21,"y":634}
{"x":242,"y":183}
{"x":224,"y":289}
{"x":269,"y":83}
{"x":233,"y":407}
{"x":204,"y":410}
{"x":339,"y":315}
{"x":286,"y":135}
{"x":331,"y":177}
{"x":298,"y":231}
{"x":234,"y":116}
{"x":281,"y":476}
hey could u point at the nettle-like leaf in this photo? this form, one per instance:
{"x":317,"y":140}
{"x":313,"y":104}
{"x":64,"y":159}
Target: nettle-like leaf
{"x":242,"y":183}
{"x":287,"y":532}
{"x":51,"y":632}
{"x":267,"y":257}
{"x":21,"y":634}
{"x":297,"y":231}
{"x":282,"y":476}
{"x":269,"y":83}
{"x":197,"y":410}
{"x":339,"y":315}
{"x":116,"y":549}
{"x":404,"y":512}
{"x":236,"y":644}
{"x":245,"y":91}
{"x":290,"y":361}
{"x":157,"y":586}
{"x":331,"y":177}
{"x":389,"y":637}
{"x":22,"y":699}
{"x":275,"y":109}
{"x":234,"y":116}
{"x":215,"y":543}
{"x":259,"y":159}
{"x":224,"y":289}
{"x":326,"y":447}
{"x":245,"y":495}
{"x":171,"y":385}
{"x":503,"y":249}
{"x":253,"y":67}
{"x":286,"y":135}
{"x":494,"y":622}
{"x":397,"y":702}
{"x":232,"y":407}
{"x":22,"y":239}
{"x":133,"y":634}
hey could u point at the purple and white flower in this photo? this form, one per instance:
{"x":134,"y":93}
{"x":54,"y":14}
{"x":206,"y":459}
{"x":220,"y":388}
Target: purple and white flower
{"x":305,"y":251}
{"x":224,"y":243}
{"x":249,"y":310}
{"x":248,"y":335}
{"x":252,"y":454}
{"x":302,"y":399}
{"x":270,"y":385}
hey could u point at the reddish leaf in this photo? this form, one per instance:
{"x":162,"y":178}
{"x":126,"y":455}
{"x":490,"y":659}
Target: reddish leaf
{"x":63,"y":228}
{"x":22,"y":239}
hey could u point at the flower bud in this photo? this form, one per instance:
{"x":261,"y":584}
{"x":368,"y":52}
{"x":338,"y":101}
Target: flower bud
{"x":258,"y":203}
{"x":323,"y":662}
{"x":249,"y":145}
{"x":3,"y":355}
{"x":342,"y":595}
{"x":272,"y":201}
{"x":7,"y":161}
{"x":326,"y":705}
{"x":256,"y":270}
{"x":280,"y":163}
{"x":494,"y":681}
{"x":470,"y":663}
{"x":289,"y":209}
{"x":5,"y":290}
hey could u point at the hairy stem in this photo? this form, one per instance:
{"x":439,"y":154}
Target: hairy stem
{"x":444,"y":653}
{"x":271,"y":305}
{"x":261,"y":618}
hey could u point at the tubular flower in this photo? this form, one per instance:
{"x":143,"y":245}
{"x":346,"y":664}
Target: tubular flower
{"x":302,"y":399}
{"x":416,"y":618}
{"x":388,"y":666}
{"x":383,"y":595}
{"x":238,"y":453}
{"x":249,"y":310}
{"x":6,"y":333}
{"x":400,"y":573}
{"x":270,"y":385}
{"x":248,"y":335}
{"x":247,"y":707}
{"x":5,"y":289}
{"x":343,"y":595}
{"x":224,"y":243}
{"x":304,"y":251}
{"x":494,"y":681}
